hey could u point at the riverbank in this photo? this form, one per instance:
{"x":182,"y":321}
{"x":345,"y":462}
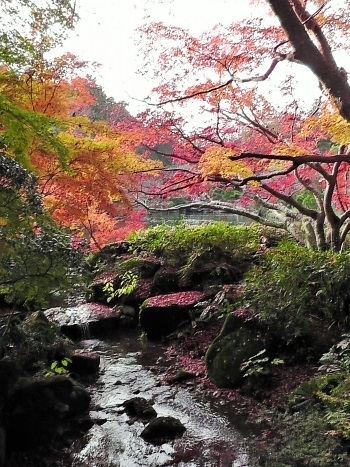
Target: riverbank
{"x":278,"y":437}
{"x":179,"y":369}
{"x":187,"y":353}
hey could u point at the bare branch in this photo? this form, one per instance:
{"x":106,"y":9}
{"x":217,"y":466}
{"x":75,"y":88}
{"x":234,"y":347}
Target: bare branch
{"x":292,"y":202}
{"x":264,"y":77}
{"x":212,"y":205}
{"x":194,"y":94}
{"x":297,"y":160}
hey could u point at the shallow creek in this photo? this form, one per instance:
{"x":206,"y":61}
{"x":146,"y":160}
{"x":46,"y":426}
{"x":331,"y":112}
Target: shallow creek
{"x":214,"y":436}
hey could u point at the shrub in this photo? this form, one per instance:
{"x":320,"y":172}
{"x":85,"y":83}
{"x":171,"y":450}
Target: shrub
{"x":219,"y":251}
{"x":297,"y":290}
{"x":304,"y":440}
{"x":184,"y":239}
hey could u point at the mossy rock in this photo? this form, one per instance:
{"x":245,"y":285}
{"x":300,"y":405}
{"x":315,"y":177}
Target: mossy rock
{"x":38,"y":328}
{"x":165,"y":281}
{"x":108,"y":254}
{"x":233,"y":346}
{"x":144,"y":267}
{"x":39,"y":408}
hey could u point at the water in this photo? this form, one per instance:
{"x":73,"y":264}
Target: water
{"x":211,"y":438}
{"x":85,"y":330}
{"x":194,"y":218}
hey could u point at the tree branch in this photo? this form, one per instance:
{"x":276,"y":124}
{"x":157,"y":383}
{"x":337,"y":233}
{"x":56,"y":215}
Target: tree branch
{"x":217,"y":206}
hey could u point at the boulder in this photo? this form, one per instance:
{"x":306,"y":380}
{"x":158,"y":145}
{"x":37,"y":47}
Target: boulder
{"x":236,"y":343}
{"x":10,"y":371}
{"x":139,"y":407}
{"x":143,"y":267}
{"x":141,"y":292}
{"x":2,"y":447}
{"x":129,"y":316}
{"x":85,"y":320}
{"x":166,"y":280}
{"x":95,"y":292}
{"x":85,"y":363}
{"x":38,"y":340}
{"x":39,"y":407}
{"x":162,"y":314}
{"x":162,"y":429}
{"x":108,"y":254}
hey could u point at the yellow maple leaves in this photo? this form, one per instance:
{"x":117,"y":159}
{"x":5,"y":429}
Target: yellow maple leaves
{"x":215,"y":161}
{"x":331,"y":123}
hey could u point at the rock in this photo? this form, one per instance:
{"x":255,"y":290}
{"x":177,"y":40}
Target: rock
{"x":165,"y":280}
{"x":83,"y":320}
{"x":235,"y":344}
{"x":2,"y":447}
{"x":182,"y":375}
{"x":143,"y":267}
{"x":141,"y":292}
{"x":36,"y":317}
{"x":41,"y":340}
{"x":38,"y":408}
{"x":146,"y":267}
{"x":9,"y":374}
{"x":128,"y":315}
{"x":109,"y":254}
{"x":95,"y":292}
{"x":162,"y":429}
{"x":162,"y":314}
{"x":85,"y":363}
{"x":139,"y":407}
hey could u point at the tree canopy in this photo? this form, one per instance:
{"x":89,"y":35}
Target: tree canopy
{"x":66,"y":155}
{"x":226,"y":101}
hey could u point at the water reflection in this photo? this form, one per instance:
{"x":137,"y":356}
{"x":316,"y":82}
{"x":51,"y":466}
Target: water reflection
{"x":194,"y":218}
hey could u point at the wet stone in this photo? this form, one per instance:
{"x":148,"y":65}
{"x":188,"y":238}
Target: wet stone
{"x":162,"y":429}
{"x":139,"y":407}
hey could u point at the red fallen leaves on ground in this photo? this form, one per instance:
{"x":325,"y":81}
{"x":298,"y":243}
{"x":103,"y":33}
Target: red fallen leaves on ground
{"x":187,"y":353}
{"x":179,"y":298}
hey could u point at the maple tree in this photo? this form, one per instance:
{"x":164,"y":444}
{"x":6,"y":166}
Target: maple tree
{"x":86,"y":190}
{"x":36,"y":256}
{"x":288,"y":163}
{"x":62,"y":127}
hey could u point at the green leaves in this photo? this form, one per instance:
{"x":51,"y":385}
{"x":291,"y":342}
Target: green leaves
{"x":128,"y":284}
{"x":36,"y":257}
{"x":20,"y":127}
{"x":59,"y":367}
{"x":295,"y":290}
{"x":337,"y":359}
{"x":23,"y":20}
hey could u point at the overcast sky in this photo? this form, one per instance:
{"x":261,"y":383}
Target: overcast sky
{"x":106,"y":32}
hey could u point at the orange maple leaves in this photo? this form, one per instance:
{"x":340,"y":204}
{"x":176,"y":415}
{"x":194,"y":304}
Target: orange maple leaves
{"x":87,"y":192}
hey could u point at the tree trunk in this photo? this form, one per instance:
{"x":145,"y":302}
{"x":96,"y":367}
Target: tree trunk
{"x":324,"y":67}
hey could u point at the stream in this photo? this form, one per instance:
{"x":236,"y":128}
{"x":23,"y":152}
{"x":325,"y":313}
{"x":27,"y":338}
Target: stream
{"x":213,"y":436}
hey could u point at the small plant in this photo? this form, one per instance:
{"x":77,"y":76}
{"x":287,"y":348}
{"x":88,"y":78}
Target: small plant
{"x":337,"y":359}
{"x":127,"y":286}
{"x":259,"y":364}
{"x":59,"y":367}
{"x":257,"y":372}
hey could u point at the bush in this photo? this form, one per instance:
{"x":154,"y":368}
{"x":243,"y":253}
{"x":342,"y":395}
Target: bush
{"x":296,"y":290}
{"x":219,"y":252}
{"x":184,"y":238}
{"x":305,"y":441}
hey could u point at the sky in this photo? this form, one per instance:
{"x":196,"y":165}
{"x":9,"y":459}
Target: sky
{"x":107,"y":29}
{"x":106,"y":34}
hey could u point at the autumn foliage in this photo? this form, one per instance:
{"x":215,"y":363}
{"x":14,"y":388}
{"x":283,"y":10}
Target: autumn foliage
{"x":234,"y":122}
{"x":86,"y":188}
